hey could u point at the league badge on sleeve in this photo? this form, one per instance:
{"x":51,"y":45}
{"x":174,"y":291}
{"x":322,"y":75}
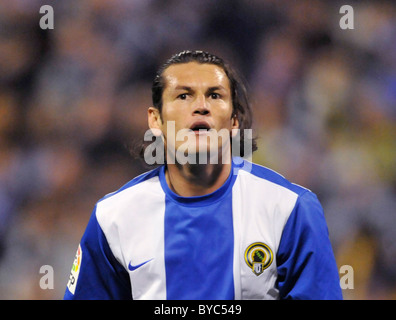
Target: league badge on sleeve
{"x":258,"y":256}
{"x":75,"y":271}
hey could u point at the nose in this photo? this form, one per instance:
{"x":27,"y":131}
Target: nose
{"x":201,"y":106}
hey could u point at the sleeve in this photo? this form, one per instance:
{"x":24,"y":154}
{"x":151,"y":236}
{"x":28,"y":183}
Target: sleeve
{"x":96,"y":274}
{"x":305,"y":260}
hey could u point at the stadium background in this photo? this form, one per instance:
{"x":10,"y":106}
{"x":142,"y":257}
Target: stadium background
{"x":72,"y":98}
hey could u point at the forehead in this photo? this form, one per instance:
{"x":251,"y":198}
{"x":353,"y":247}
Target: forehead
{"x":193,"y":74}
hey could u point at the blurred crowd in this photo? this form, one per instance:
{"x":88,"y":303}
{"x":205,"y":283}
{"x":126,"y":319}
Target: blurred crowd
{"x":73,"y":102}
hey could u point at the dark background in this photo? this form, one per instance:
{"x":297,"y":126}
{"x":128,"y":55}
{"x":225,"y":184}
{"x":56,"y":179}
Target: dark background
{"x":73,"y":98}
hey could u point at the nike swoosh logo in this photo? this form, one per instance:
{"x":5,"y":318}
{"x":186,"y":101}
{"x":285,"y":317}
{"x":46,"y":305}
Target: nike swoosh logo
{"x":132,"y":268}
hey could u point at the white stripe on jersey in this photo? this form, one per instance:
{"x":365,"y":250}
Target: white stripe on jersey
{"x":261,"y":209}
{"x":133,"y":222}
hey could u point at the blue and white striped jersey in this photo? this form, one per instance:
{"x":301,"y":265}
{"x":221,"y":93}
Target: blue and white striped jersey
{"x":257,"y":237}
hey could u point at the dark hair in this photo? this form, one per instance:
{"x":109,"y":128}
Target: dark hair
{"x":240,"y":102}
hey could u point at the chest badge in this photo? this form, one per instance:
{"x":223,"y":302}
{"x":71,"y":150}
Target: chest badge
{"x":258,"y":256}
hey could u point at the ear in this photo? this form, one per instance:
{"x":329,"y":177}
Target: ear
{"x":234,"y":125}
{"x":154,"y":121}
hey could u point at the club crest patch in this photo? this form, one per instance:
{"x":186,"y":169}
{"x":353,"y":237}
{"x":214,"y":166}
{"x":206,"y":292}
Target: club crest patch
{"x":258,"y":256}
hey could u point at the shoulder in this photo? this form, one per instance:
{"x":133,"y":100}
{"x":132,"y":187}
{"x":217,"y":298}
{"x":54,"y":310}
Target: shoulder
{"x":271,"y":190}
{"x":267,"y":176}
{"x":302,"y":200}
{"x":269,"y":194}
{"x":302,"y":206}
{"x":135,"y":184}
{"x":133,"y":196}
{"x":122,"y":212}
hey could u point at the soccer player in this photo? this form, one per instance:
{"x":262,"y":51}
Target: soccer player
{"x":214,"y":227}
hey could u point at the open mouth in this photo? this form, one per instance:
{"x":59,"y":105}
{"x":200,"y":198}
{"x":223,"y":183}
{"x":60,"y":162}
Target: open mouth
{"x":200,"y":127}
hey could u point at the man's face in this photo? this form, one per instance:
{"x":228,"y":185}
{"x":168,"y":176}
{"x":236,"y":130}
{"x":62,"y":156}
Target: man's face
{"x":196,"y":97}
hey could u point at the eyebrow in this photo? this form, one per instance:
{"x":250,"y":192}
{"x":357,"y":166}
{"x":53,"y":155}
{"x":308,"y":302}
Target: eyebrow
{"x":210,"y":89}
{"x":186,"y":88}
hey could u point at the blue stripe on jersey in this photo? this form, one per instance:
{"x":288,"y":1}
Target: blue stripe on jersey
{"x":206,"y":268}
{"x":306,"y":263}
{"x":101,"y":276}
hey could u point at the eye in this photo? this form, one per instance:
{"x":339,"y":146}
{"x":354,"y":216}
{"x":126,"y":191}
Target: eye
{"x":182,"y":96}
{"x":215,"y":96}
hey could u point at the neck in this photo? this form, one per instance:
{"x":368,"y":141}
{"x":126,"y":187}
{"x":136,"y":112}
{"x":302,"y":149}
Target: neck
{"x":196,"y":179}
